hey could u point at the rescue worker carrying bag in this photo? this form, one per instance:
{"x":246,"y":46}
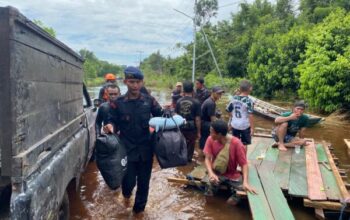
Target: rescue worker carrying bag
{"x":170,"y":146}
{"x":111,"y":159}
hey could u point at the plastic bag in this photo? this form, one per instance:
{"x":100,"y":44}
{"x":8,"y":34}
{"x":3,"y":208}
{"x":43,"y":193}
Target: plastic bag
{"x":111,"y":159}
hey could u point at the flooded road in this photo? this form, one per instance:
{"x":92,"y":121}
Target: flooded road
{"x":94,"y":200}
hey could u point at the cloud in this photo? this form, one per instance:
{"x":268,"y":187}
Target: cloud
{"x":117,"y":30}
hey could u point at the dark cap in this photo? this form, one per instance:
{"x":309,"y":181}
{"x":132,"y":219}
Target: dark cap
{"x":133,"y":73}
{"x":300,"y":104}
{"x":217,"y":89}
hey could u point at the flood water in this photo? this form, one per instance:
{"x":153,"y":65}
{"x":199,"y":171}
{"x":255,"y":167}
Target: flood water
{"x":94,"y":200}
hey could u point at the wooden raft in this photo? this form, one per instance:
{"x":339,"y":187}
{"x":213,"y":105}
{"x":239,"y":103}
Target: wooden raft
{"x":310,"y":174}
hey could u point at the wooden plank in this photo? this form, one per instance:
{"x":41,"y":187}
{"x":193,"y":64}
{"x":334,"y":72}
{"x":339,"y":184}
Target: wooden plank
{"x":314,"y":178}
{"x":337,"y":206}
{"x":319,"y":214}
{"x":278,"y":203}
{"x":343,"y":191}
{"x":259,"y":205}
{"x":297,"y":177}
{"x":269,"y":161}
{"x":282,"y":168}
{"x":260,"y":146}
{"x":329,"y":182}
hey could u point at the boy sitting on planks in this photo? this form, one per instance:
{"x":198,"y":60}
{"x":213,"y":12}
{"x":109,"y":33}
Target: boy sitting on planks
{"x":288,"y":125}
{"x":237,"y":156}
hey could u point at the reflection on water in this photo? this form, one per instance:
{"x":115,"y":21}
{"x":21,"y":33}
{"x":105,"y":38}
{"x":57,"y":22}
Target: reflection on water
{"x":172,"y":201}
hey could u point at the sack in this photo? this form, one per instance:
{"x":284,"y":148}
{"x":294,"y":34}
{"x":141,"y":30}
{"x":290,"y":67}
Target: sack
{"x":111,"y":159}
{"x":221,"y":161}
{"x":170,"y":148}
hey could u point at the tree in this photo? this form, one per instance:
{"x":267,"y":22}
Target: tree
{"x":49,"y":30}
{"x":205,"y":9}
{"x":325,"y":78}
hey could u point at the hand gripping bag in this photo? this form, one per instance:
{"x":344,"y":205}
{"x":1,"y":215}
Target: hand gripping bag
{"x":111,"y":159}
{"x":170,"y":147}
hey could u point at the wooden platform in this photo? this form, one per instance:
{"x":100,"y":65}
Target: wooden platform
{"x":310,"y":174}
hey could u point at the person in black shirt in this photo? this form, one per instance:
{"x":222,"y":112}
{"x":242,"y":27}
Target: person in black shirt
{"x":208,"y":114}
{"x":131,"y":113}
{"x":202,"y":93}
{"x":176,"y":94}
{"x":103,"y":110}
{"x":189,"y":108}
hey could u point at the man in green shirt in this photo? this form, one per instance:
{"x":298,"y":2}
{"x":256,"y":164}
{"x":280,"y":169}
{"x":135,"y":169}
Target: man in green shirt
{"x":288,"y":125}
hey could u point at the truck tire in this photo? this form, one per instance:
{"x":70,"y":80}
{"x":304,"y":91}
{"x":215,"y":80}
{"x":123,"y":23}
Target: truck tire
{"x":63,"y":212}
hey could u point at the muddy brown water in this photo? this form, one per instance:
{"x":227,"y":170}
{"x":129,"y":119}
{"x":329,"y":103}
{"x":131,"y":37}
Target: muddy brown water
{"x":94,"y":200}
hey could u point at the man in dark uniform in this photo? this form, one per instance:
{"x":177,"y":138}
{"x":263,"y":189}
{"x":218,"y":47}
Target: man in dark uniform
{"x":189,"y":108}
{"x":131,"y":113}
{"x":202,"y":93}
{"x":208,"y":114}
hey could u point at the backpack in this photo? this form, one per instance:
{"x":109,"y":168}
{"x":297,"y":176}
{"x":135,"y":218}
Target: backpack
{"x":170,"y":147}
{"x":111,"y":159}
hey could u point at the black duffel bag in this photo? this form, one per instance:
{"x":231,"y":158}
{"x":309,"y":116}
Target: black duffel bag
{"x":170,"y":148}
{"x":111,"y":159}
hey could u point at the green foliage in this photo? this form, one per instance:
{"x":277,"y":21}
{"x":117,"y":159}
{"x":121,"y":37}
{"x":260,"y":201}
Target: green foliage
{"x":49,"y":30}
{"x":230,"y":84}
{"x":287,"y":54}
{"x":95,"y":69}
{"x":325,"y":78}
{"x":205,"y":10}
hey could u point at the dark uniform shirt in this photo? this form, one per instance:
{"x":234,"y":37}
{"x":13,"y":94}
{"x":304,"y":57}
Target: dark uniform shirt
{"x":202,"y":94}
{"x":208,"y":109}
{"x":189,"y":108}
{"x":101,"y":117}
{"x":132,"y":117}
{"x":175,"y":96}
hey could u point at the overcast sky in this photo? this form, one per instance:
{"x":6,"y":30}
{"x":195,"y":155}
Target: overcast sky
{"x":119,"y":31}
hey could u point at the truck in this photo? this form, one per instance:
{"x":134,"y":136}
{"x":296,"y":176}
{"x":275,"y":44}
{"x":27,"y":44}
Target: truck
{"x":47,"y":132}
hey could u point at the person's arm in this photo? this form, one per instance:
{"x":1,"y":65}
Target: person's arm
{"x":208,"y":164}
{"x":156,"y":110}
{"x":251,"y":121}
{"x":98,"y":122}
{"x":112,"y":118}
{"x":246,"y":185}
{"x":198,"y":126}
{"x":302,"y":132}
{"x":282,"y":119}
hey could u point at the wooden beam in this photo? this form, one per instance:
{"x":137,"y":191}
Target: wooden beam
{"x":344,"y":192}
{"x":347,"y":142}
{"x":314,"y":178}
{"x":319,"y":214}
{"x":324,"y":205}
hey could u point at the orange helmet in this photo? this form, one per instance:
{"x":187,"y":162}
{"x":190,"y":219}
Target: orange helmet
{"x":110,"y":76}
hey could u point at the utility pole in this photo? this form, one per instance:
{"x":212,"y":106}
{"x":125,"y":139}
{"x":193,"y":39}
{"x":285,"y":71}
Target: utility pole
{"x":140,"y":56}
{"x":194,"y":36}
{"x":194,"y":40}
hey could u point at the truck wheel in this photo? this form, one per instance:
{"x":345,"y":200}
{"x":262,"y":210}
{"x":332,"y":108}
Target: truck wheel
{"x":63,"y":213}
